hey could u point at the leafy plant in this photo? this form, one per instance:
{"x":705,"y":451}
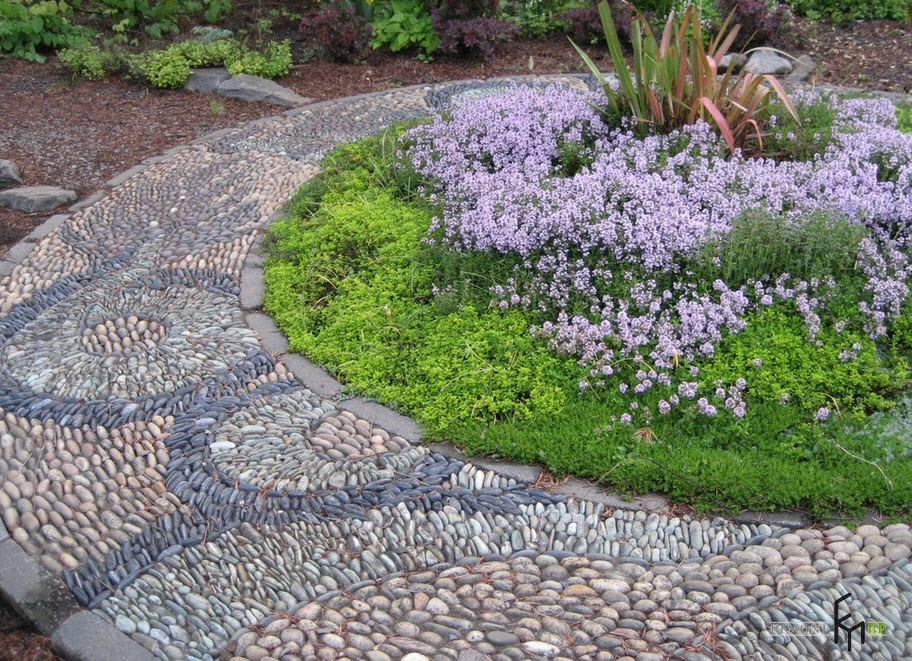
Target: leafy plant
{"x":403,"y":24}
{"x":31,"y":28}
{"x":342,"y":33}
{"x":88,"y":60}
{"x":676,"y":82}
{"x":470,"y":27}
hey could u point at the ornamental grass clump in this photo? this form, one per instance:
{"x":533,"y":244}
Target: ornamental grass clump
{"x":675,"y":81}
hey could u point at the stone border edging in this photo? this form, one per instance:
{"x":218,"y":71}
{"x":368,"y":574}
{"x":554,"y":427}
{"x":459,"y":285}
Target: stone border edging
{"x":80,"y":634}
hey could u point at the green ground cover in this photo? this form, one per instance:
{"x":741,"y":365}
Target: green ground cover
{"x":354,"y":285}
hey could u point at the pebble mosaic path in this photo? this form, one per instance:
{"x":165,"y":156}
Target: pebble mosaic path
{"x":192,"y":492}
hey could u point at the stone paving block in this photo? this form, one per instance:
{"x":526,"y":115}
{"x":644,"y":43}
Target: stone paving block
{"x":271,"y":337}
{"x":47,"y":227}
{"x":19,"y":251}
{"x":377,"y":414}
{"x":585,"y":490}
{"x":87,"y":637}
{"x":89,"y":201}
{"x":313,"y":376}
{"x":123,"y":176}
{"x":252,"y":288}
{"x":37,"y":595}
{"x":4,"y":533}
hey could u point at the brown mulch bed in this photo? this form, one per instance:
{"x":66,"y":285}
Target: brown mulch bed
{"x":18,"y":642}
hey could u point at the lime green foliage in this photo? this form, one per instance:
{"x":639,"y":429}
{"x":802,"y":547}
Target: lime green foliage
{"x":31,"y":28}
{"x":403,"y":24}
{"x":350,"y":285}
{"x":273,"y":61}
{"x":904,"y":118}
{"x":88,"y":60}
{"x":842,"y":11}
{"x":171,"y":66}
{"x":802,"y":373}
{"x":354,"y":287}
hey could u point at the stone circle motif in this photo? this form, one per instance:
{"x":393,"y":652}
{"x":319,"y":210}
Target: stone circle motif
{"x":188,"y":488}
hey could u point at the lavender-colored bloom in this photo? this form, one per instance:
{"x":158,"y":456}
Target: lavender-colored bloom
{"x":653,"y":202}
{"x":822,"y":414}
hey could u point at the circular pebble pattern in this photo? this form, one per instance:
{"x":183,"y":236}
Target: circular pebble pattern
{"x":188,"y":488}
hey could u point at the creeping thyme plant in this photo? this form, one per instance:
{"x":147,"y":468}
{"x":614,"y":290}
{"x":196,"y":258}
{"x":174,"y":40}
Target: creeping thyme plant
{"x":535,"y":279}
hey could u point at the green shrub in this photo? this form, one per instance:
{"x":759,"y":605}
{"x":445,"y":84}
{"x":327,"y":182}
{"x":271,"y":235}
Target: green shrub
{"x":166,"y":68}
{"x":843,"y":11}
{"x":789,"y":139}
{"x":88,"y":60}
{"x":31,"y":28}
{"x":760,"y":243}
{"x":404,"y":24}
{"x":170,"y":67}
{"x":273,"y":61}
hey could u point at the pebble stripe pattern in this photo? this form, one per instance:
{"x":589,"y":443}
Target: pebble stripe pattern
{"x":188,"y":488}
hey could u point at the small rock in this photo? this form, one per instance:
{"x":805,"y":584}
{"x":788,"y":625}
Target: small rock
{"x":10,"y":175}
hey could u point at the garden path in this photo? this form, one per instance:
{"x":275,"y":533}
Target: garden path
{"x":173,"y":488}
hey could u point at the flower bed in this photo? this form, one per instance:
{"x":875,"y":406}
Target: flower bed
{"x":533,"y":282}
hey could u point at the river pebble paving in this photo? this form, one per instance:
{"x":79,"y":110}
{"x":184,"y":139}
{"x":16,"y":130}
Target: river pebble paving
{"x":188,"y":487}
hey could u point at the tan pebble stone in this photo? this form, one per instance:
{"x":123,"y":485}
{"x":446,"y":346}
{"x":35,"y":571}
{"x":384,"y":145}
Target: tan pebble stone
{"x":842,"y":547}
{"x":878,"y":563}
{"x":896,"y":551}
{"x":813,"y":545}
{"x":788,"y":550}
{"x":579,"y":590}
{"x":877,"y":540}
{"x":795,"y":561}
{"x":853,"y":569}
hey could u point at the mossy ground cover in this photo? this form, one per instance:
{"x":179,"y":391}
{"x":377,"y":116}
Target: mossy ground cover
{"x":354,"y":283}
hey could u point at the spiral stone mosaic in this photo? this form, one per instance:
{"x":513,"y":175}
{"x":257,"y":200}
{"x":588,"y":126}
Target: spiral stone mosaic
{"x":188,"y":487}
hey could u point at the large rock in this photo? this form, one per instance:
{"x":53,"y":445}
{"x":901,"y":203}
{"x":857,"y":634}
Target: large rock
{"x":9,"y":174}
{"x":206,"y":80}
{"x":804,"y":67}
{"x":254,"y":88}
{"x":766,"y":61}
{"x":733,"y":61}
{"x":34,"y":199}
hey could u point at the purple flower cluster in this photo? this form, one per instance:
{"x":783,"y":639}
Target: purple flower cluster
{"x":652,"y":203}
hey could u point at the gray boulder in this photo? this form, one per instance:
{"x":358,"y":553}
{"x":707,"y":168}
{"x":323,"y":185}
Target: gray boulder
{"x":34,"y":199}
{"x":733,"y":61}
{"x":9,"y":174}
{"x":804,"y":67}
{"x":206,"y":80}
{"x":767,"y":62}
{"x":254,"y":88}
